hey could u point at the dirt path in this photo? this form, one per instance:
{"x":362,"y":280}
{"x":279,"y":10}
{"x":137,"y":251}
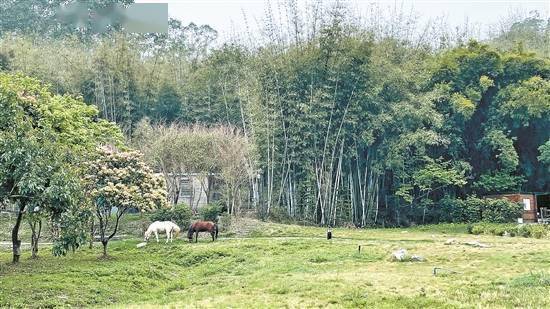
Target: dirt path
{"x":8,"y":244}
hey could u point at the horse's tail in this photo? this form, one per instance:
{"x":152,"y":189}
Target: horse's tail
{"x":190,"y":231}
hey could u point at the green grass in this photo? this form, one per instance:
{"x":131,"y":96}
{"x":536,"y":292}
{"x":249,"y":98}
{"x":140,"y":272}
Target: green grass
{"x":281,"y":265}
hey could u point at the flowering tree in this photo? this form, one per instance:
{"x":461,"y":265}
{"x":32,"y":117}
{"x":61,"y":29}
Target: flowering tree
{"x":119,"y":181}
{"x":43,"y":140}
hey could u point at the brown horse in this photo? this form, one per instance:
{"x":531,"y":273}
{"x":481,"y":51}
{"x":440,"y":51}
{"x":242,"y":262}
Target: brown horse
{"x":202,"y":226}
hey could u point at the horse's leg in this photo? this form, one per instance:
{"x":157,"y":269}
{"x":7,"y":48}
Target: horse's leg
{"x":157,"y":236}
{"x":197,"y":237}
{"x":168,"y":235}
{"x":212,"y":234}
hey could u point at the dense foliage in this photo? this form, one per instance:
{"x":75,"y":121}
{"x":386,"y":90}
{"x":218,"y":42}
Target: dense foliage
{"x":180,"y":214}
{"x":220,"y":159}
{"x":341,"y":123}
{"x":118,"y":181}
{"x":211,"y":212}
{"x":43,"y":138}
{"x":474,"y":209}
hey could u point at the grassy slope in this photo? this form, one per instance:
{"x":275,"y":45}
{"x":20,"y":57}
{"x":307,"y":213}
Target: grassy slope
{"x":290,"y":265}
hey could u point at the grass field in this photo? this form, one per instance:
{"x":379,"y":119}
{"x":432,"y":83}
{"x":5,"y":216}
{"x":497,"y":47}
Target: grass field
{"x":274,"y":265}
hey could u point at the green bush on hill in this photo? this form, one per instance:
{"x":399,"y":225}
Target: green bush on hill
{"x":210,"y":212}
{"x":181,"y":214}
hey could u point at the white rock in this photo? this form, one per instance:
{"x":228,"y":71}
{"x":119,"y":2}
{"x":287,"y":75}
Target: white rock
{"x":417,"y":258}
{"x":476,"y":244}
{"x":141,"y":244}
{"x":399,"y":255}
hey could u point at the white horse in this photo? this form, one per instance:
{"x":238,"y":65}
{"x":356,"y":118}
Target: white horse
{"x":167,"y":227}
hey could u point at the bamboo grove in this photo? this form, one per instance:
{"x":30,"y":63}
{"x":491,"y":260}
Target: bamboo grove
{"x":346,"y":122}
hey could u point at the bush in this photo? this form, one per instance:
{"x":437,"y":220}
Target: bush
{"x":521,"y":230}
{"x":474,"y":209}
{"x":181,"y":214}
{"x":210,"y":212}
{"x":501,"y":210}
{"x":476,"y":229}
{"x":538,"y":231}
{"x":224,"y":223}
{"x":280,"y":215}
{"x":461,"y":211}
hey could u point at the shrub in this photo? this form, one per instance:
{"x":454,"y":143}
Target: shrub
{"x":501,"y":210}
{"x":474,"y":209}
{"x":225,"y":223}
{"x":477,"y":229}
{"x":538,"y":231}
{"x":521,"y":230}
{"x":280,"y":215}
{"x":181,"y":214}
{"x":210,"y":212}
{"x":464,"y":211}
{"x":448,"y":210}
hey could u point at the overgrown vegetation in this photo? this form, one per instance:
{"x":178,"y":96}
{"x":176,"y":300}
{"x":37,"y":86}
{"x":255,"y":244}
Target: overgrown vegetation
{"x":211,"y":212}
{"x":519,"y":230}
{"x":473,"y":209}
{"x":330,"y":121}
{"x":180,"y":214}
{"x":118,"y":181}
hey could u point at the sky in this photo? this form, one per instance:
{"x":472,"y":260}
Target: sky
{"x":230,"y":16}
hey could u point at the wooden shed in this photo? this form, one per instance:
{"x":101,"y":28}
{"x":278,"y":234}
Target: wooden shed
{"x":536,"y":205}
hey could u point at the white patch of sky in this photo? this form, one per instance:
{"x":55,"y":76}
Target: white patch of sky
{"x":235,"y":16}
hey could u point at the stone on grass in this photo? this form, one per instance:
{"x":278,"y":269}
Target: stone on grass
{"x":141,"y":244}
{"x":399,"y":255}
{"x":451,"y":241}
{"x":476,"y":244}
{"x":417,"y":258}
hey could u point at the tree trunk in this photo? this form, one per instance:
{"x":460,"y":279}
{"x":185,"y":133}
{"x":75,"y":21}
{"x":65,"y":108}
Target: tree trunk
{"x":34,"y":250}
{"x":35,"y":237}
{"x":92,"y":226}
{"x":104,"y":243}
{"x":16,"y":243}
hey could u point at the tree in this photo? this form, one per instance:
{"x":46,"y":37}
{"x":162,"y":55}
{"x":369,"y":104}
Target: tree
{"x":42,"y":139}
{"x":118,"y":181}
{"x":347,"y":118}
{"x":30,"y":171}
{"x":234,"y":156}
{"x":524,"y":32}
{"x":216,"y":153}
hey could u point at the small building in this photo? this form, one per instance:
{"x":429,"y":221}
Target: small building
{"x":193,"y":189}
{"x":536,"y":205}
